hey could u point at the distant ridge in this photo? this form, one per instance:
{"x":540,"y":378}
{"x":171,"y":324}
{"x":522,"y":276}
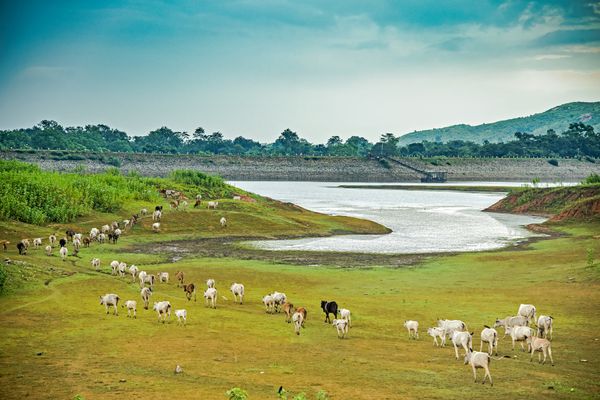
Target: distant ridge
{"x":557,"y":118}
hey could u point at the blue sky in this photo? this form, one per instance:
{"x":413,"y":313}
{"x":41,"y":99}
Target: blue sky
{"x":322,"y":68}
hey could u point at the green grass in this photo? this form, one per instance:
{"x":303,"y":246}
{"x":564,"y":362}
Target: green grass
{"x":51,"y":307}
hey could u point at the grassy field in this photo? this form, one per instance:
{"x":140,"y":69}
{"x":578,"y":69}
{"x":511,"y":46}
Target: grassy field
{"x":56,"y":341}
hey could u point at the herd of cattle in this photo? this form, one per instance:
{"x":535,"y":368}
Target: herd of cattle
{"x":516,"y":327}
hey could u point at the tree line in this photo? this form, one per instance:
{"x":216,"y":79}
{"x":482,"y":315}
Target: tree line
{"x":578,"y":140}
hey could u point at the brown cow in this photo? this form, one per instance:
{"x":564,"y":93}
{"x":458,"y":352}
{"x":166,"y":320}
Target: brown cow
{"x":5,"y":244}
{"x":174,"y":204}
{"x":179,"y":276}
{"x":86,"y":242}
{"x":288,"y":309}
{"x":302,"y":311}
{"x":190,"y":289}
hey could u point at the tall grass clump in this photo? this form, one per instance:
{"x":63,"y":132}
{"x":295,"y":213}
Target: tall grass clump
{"x":210,"y":185}
{"x":30,"y":195}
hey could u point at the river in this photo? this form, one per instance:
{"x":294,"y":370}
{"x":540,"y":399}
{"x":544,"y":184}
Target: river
{"x":423,"y":221}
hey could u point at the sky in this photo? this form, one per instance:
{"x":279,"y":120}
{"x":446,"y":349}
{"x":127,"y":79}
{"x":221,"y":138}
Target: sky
{"x":320,"y":68}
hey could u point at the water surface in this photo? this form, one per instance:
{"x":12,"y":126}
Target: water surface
{"x":422,"y":221}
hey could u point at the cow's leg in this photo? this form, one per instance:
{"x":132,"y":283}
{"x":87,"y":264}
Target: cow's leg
{"x":474,"y":374}
{"x":550,"y":354}
{"x":487,"y":372}
{"x":455,"y":350}
{"x":481,"y":346}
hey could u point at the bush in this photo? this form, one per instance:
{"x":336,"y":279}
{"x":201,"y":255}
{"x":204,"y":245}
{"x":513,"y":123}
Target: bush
{"x":236,"y":394}
{"x":553,"y":162}
{"x":593,"y":179}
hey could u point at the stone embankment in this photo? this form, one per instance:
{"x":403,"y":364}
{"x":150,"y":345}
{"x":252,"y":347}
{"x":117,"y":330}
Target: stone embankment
{"x":333,"y":169}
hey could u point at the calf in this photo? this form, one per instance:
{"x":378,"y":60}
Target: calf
{"x":114,"y":265}
{"x":210,"y":283}
{"x":435,"y":333}
{"x":96,"y":263}
{"x":180,"y":277}
{"x":63,"y":253}
{"x":146,"y":293}
{"x":288,"y":309}
{"x":190,"y":289}
{"x":133,"y":270}
{"x":210,"y":295}
{"x":542,"y":346}
{"x":341,"y":325}
{"x":131,"y":308}
{"x":302,"y":311}
{"x":163,"y":277}
{"x":298,"y":319}
{"x":181,"y":316}
{"x":238,"y":290}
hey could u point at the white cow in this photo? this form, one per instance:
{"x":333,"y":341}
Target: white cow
{"x":96,"y":263}
{"x":278,"y":299}
{"x":94,"y":232}
{"x":37,"y":242}
{"x":133,"y":270}
{"x":131,"y":308}
{"x":237,"y":289}
{"x":63,"y":253}
{"x":105,"y":228}
{"x":163,"y":309}
{"x":210,"y":283}
{"x":52,"y":239}
{"x":347,"y":315}
{"x":269,"y":303}
{"x":341,"y":325}
{"x":519,"y":334}
{"x":477,"y":360}
{"x":213,"y":205}
{"x":163,"y":277}
{"x":181,"y":316}
{"x":108,"y":300}
{"x":463,"y":339}
{"x":509,"y":322}
{"x":298,"y":319}
{"x":115,"y":267}
{"x":527,"y":311}
{"x":413,"y":329}
{"x":156,"y":215}
{"x":146,"y":293}
{"x":489,"y":336}
{"x":122,"y":268}
{"x":210,"y":295}
{"x":544,"y":326}
{"x":451,"y":325}
{"x":156,"y":227}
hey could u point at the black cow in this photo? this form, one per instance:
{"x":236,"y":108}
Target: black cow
{"x":158,"y":208}
{"x":329,"y":307}
{"x":62,"y":242}
{"x":22,"y":249}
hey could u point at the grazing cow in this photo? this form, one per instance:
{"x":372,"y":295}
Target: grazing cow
{"x":122,"y":268}
{"x":156,"y":215}
{"x":174,"y":204}
{"x":114,"y":265}
{"x":94,"y":232}
{"x":288,"y":309}
{"x":148,"y":278}
{"x":210,"y":283}
{"x":527,"y":311}
{"x":542,"y":346}
{"x":190,"y":289}
{"x":223,"y":222}
{"x":105,"y":228}
{"x":435,"y":333}
{"x":509,"y":322}
{"x":133,"y":270}
{"x":96,"y":263}
{"x":544,"y":326}
{"x":347,"y":315}
{"x":108,"y":300}
{"x":52,"y":239}
{"x":76,"y":245}
{"x":22,"y":248}
{"x":156,"y":227}
{"x":146,"y":293}
{"x":238,"y":290}
{"x":463,"y":339}
{"x":477,"y":360}
{"x":519,"y":334}
{"x":62,"y":242}
{"x":131,"y":308}
{"x":341,"y":325}
{"x":413,"y":329}
{"x":180,"y":278}
{"x":213,"y":205}
{"x":210,"y":295}
{"x":329,"y":307}
{"x":78,"y":236}
{"x":5,"y":244}
{"x":37,"y":242}
{"x":163,"y":277}
{"x":48,"y":250}
{"x":162,"y":308}
{"x":269,"y":304}
{"x":86,"y":242}
{"x":298,"y":319}
{"x":302,"y":311}
{"x":181,"y":316}
{"x":70,"y":233}
{"x":489,"y":336}
{"x":278,"y":299}
{"x":101,"y":238}
{"x":63,"y":253}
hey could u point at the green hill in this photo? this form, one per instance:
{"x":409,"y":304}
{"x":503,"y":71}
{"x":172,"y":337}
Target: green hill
{"x":557,"y":118}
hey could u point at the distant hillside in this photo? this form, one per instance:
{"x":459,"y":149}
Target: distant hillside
{"x":557,"y":118}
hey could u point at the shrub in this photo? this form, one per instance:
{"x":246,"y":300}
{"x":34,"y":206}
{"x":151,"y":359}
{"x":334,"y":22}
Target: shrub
{"x":593,"y":179}
{"x":553,"y":162}
{"x":236,"y":394}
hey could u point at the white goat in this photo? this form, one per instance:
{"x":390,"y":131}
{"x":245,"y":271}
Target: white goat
{"x":163,"y":277}
{"x":278,"y":299}
{"x":210,"y":295}
{"x":63,"y":253}
{"x":131,"y":308}
{"x":37,"y":242}
{"x":114,"y":265}
{"x":156,"y":215}
{"x":133,"y":270}
{"x":156,"y":227}
{"x":269,"y":303}
{"x":48,"y":250}
{"x":52,"y":239}
{"x":477,"y":359}
{"x":223,"y":222}
{"x":181,"y":316}
{"x":122,"y":268}
{"x":210,"y":283}
{"x":146,"y":293}
{"x":163,"y":309}
{"x":435,"y":333}
{"x":341,"y":325}
{"x":347,"y":315}
{"x":213,"y":205}
{"x":298,"y":319}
